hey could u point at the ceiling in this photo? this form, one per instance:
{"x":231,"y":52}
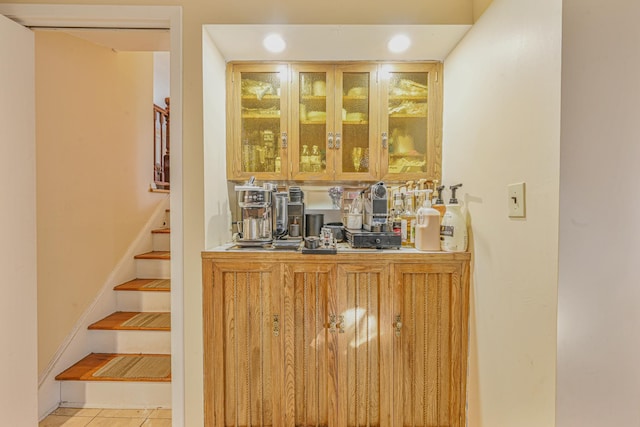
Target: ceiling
{"x":335,"y":42}
{"x":122,"y":40}
{"x":239,"y":42}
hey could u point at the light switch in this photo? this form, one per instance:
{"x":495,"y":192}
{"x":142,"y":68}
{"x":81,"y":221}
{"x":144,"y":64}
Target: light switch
{"x":516,"y":200}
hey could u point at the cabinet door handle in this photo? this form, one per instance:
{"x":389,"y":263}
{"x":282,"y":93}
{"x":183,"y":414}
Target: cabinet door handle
{"x":330,"y":141}
{"x":385,"y":140}
{"x":398,"y":325}
{"x":276,"y":325}
{"x":332,"y":323}
{"x":338,"y":140}
{"x":284,"y":140}
{"x":341,"y":324}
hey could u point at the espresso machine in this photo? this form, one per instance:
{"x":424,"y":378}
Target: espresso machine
{"x":376,"y":209}
{"x":255,"y":226}
{"x":376,"y":232}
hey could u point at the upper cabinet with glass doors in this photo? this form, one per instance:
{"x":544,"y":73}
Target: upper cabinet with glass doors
{"x":333,"y":128}
{"x":257,"y":113}
{"x":326,"y":122}
{"x":411,"y":121}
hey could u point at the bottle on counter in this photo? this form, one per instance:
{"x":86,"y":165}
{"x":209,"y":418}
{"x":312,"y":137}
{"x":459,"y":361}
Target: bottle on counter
{"x":438,"y":203}
{"x":397,"y":210}
{"x":408,"y":218}
{"x":427,"y":225}
{"x":453,"y":230}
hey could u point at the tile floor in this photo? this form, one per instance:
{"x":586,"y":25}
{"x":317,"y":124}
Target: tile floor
{"x":81,"y":417}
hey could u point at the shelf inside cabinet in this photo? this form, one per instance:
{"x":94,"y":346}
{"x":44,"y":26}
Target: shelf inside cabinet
{"x":355,"y":98}
{"x":256,"y":116}
{"x":408,"y":98}
{"x":408,"y":116}
{"x":313,"y":98}
{"x":358,"y":122}
{"x":264,"y":98}
{"x":312,"y":122}
{"x":400,"y":155}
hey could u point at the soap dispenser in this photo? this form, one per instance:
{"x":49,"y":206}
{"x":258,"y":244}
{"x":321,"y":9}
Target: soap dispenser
{"x":453,"y":231}
{"x":438,"y":203}
{"x":427,"y":225}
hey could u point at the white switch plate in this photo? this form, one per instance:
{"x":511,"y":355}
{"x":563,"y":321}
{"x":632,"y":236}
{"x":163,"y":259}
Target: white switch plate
{"x":516,"y":200}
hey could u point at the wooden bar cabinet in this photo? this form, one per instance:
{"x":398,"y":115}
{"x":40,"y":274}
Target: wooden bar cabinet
{"x":354,"y":339}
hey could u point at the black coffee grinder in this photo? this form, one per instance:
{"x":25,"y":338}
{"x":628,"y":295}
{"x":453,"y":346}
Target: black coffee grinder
{"x":295,"y":213}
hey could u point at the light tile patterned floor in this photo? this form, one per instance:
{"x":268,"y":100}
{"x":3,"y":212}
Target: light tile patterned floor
{"x":87,"y":417}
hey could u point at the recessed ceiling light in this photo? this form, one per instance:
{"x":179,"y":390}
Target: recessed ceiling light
{"x":274,"y":43}
{"x":399,"y":43}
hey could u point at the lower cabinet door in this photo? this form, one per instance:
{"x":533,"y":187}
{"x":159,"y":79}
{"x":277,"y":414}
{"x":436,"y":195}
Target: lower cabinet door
{"x":364,"y":346}
{"x":310,"y":342}
{"x":430,"y":345}
{"x":338,"y":356}
{"x":247,"y":346}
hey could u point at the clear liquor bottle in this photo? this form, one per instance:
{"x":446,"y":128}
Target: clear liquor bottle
{"x":408,"y":218}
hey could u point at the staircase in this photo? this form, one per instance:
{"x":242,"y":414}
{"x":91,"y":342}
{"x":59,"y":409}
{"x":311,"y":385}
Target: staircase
{"x":130,"y":361}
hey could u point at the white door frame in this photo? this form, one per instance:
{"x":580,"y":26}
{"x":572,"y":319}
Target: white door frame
{"x":85,"y":16}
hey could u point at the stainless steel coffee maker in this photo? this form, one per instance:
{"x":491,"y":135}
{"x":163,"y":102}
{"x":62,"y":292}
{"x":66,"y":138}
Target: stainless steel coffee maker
{"x":255,"y":226}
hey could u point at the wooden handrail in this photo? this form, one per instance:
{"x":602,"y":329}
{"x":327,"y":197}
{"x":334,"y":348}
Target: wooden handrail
{"x":161,"y":145}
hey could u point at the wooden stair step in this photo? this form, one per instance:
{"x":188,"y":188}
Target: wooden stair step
{"x":140,"y":367}
{"x":166,"y":230}
{"x":154,"y":255}
{"x":134,"y":321}
{"x":145,"y":285}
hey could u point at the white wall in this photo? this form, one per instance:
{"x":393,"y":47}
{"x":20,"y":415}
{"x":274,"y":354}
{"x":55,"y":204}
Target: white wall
{"x":217,"y":213}
{"x":599,"y":292}
{"x":18,"y":304}
{"x":161,"y":76}
{"x":501,"y":125}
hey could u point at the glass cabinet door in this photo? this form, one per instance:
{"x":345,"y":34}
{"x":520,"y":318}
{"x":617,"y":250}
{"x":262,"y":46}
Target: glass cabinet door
{"x":260,"y":121}
{"x":356,"y":117}
{"x":410,"y":139}
{"x":312,"y":130}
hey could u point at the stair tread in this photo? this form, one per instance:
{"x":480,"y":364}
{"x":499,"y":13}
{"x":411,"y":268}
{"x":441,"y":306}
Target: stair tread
{"x":145,"y":285}
{"x":88,"y":369}
{"x":134,"y":321}
{"x":166,"y":230}
{"x":154,"y":255}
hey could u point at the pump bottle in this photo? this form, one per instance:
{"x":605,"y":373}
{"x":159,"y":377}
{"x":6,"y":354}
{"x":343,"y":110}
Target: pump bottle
{"x":438,"y":203}
{"x":453,"y":231}
{"x":427,"y":225}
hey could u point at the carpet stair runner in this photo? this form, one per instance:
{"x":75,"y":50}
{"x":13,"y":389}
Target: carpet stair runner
{"x":143,"y":308}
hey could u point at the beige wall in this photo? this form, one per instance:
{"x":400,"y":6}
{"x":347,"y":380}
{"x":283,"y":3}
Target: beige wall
{"x":502,"y":125}
{"x":94,"y":156}
{"x":217,"y":213}
{"x":18,"y":311}
{"x":598,"y":296}
{"x":479,"y":6}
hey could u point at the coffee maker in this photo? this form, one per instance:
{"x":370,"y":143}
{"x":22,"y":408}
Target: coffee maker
{"x":375,"y":208}
{"x":255,"y":226}
{"x":376,"y":233}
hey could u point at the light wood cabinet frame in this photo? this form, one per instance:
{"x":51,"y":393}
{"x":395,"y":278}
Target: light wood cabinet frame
{"x":406,"y":365}
{"x":377,"y":121}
